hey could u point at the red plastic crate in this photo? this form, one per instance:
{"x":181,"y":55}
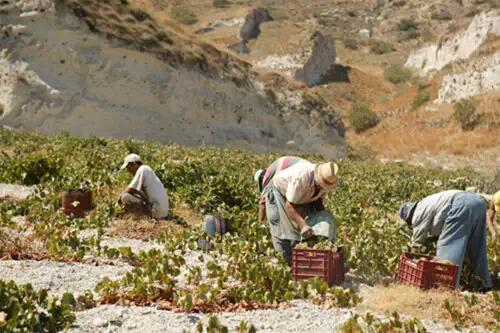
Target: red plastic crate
{"x":426,"y":274}
{"x":323,"y":264}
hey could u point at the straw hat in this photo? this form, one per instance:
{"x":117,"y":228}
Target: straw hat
{"x":325,"y":175}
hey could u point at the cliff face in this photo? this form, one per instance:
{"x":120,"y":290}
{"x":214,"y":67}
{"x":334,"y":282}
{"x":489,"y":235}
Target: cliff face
{"x":468,"y":60}
{"x":105,"y":68}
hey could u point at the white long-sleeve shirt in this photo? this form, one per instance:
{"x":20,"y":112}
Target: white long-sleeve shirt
{"x":146,"y":181}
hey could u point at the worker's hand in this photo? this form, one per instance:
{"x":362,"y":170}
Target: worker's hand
{"x":306,"y":232}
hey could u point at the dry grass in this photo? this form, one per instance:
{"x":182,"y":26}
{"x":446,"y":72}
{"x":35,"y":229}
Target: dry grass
{"x":142,"y":228}
{"x":428,"y":304}
{"x":181,"y":218}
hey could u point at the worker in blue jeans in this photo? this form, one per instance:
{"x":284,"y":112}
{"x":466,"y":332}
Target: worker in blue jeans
{"x":458,"y":220}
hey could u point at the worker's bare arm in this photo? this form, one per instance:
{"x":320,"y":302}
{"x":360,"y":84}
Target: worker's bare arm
{"x":294,"y":214}
{"x":262,"y":212}
{"x":490,"y":222}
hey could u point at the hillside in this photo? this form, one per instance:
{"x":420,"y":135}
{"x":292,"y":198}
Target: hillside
{"x":110,"y":69}
{"x":451,"y":48}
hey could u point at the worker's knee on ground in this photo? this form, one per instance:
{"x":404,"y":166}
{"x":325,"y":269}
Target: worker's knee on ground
{"x":127,"y":199}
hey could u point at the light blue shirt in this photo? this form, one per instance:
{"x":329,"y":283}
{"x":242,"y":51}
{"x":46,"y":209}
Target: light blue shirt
{"x":430,"y":214}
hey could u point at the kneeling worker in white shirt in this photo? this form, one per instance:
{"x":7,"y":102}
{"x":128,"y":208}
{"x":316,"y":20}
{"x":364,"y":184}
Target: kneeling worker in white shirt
{"x":145,"y":195}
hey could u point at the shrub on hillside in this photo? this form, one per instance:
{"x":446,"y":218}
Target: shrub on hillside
{"x":360,"y":151}
{"x":407,"y":35}
{"x":465,"y":113}
{"x":350,"y":43}
{"x":220,"y":3}
{"x":422,"y":97}
{"x":380,"y":47}
{"x":407,"y":25}
{"x":183,"y":15}
{"x":362,"y":118}
{"x":397,"y":74}
{"x":442,"y":15}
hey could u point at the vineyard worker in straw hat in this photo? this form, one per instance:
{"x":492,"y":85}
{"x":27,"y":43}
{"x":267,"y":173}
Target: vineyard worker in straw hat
{"x":290,"y":200}
{"x":264,"y":176}
{"x":458,"y":220}
{"x":145,"y":195}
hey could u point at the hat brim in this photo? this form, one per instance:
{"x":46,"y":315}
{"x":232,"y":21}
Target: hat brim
{"x":318,"y":179}
{"x":124,"y":166}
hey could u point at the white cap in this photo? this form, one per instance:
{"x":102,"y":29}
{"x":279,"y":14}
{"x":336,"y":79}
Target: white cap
{"x":131,"y":158}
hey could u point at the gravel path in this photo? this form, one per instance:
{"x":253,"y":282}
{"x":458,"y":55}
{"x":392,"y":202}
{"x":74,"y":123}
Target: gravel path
{"x":15,"y":192}
{"x":59,"y":277}
{"x":301,"y":317}
{"x":135,"y":245}
{"x":137,"y":319}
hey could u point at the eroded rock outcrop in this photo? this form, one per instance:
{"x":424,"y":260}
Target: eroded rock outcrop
{"x":480,"y":76}
{"x":461,"y":46}
{"x":321,"y":64}
{"x":108,"y":69}
{"x":251,"y":26}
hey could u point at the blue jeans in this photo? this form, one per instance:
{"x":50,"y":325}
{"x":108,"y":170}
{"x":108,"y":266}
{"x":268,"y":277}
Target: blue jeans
{"x":464,"y":232}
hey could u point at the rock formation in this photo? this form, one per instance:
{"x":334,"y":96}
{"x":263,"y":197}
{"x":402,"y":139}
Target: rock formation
{"x":461,"y":46}
{"x":321,"y":64}
{"x":105,"y":68}
{"x":251,"y":26}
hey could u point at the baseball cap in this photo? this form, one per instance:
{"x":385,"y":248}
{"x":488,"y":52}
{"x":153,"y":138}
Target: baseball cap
{"x":131,"y":158}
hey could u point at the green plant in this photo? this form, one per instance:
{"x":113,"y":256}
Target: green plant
{"x":465,"y":114}
{"x":407,"y":25}
{"x":422,"y":97}
{"x":29,"y":170}
{"x":456,"y":316}
{"x":220,"y":3}
{"x":362,"y":118}
{"x":183,"y":15}
{"x":370,"y":324}
{"x":397,"y":73}
{"x":24,"y":310}
{"x":245,"y":327}
{"x":380,"y":47}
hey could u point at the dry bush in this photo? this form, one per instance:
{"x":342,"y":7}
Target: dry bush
{"x":362,"y":118}
{"x":14,"y":246}
{"x":465,"y":114}
{"x":183,"y":15}
{"x":397,"y":73}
